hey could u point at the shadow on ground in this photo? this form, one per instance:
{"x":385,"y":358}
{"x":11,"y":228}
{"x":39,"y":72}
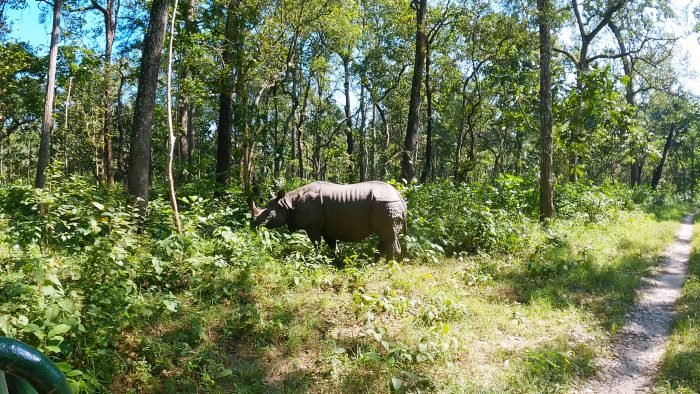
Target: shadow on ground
{"x":565,"y":277}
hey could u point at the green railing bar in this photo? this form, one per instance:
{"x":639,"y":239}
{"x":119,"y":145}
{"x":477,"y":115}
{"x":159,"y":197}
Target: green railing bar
{"x":19,"y":359}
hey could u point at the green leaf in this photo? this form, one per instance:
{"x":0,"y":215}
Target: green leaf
{"x":74,"y":372}
{"x":58,"y":330}
{"x":371,"y":356}
{"x":98,"y":205}
{"x":54,"y":349}
{"x":48,"y":290}
{"x":63,"y":366}
{"x":224,"y":373}
{"x":75,"y":386}
{"x":54,"y":279}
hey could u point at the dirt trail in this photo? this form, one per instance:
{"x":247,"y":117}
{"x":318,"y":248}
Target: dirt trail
{"x":640,"y":343}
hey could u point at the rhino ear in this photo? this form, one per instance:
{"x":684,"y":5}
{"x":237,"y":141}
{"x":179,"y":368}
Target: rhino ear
{"x":280,"y":194}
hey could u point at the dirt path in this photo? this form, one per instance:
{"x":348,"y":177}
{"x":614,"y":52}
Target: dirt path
{"x":640,"y":343}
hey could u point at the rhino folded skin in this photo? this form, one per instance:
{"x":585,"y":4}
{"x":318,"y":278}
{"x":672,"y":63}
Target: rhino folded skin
{"x":340,"y":213}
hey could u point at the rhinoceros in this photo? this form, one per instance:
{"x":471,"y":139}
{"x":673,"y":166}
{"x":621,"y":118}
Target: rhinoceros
{"x":340,"y":213}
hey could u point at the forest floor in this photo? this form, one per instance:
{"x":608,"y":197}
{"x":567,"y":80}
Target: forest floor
{"x":634,"y":357}
{"x":232,"y":310}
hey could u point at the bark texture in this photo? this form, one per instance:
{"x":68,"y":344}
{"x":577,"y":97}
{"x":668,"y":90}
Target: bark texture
{"x":546,"y":188}
{"x":408,"y":171}
{"x":140,"y":153}
{"x":47,"y":124}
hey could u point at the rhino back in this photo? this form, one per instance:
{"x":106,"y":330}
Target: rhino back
{"x":349,"y":208}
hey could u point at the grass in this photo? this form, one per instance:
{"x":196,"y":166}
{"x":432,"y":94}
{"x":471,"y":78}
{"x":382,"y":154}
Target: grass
{"x":664,"y":212}
{"x":285,"y":321}
{"x":680,"y":369}
{"x":527,"y":322}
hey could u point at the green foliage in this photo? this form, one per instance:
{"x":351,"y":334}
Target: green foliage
{"x":591,"y":203}
{"x":546,"y":370}
{"x":473,"y":218}
{"x":126,"y":308}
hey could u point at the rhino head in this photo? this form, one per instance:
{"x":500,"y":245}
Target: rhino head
{"x":275,"y":213}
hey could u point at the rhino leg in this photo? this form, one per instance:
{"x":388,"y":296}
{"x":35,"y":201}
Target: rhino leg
{"x":388,"y":222}
{"x":398,"y":228}
{"x":333,"y":244}
{"x":390,"y":248}
{"x":380,"y":250}
{"x":314,"y":236}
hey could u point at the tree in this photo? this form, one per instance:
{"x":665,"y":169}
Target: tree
{"x":231,"y":52}
{"x":408,"y":172}
{"x":599,"y":18}
{"x":140,"y":153}
{"x":110,"y":12}
{"x":186,"y":132}
{"x":47,"y":124}
{"x":171,"y":132}
{"x":546,"y":188}
{"x":641,"y":56}
{"x":432,"y":35}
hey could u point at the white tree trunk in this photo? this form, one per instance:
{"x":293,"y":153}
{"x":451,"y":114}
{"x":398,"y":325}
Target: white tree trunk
{"x":171,"y":133}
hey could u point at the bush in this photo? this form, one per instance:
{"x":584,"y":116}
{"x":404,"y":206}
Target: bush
{"x":452,"y":219}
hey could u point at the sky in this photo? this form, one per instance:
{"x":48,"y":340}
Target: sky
{"x":27,"y":26}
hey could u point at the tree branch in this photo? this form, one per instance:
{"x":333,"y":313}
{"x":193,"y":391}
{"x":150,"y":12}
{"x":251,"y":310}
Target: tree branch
{"x":98,"y":7}
{"x":606,"y":17}
{"x":567,"y":54}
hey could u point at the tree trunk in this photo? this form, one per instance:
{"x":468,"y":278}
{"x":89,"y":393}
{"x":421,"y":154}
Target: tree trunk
{"x":363,"y":136}
{"x":185,"y":130}
{"x":428,"y":163}
{"x":575,"y":132}
{"x":300,"y":131}
{"x":373,"y":150}
{"x":171,"y":129}
{"x":288,"y":126}
{"x":223,"y":141}
{"x":121,"y":166}
{"x":191,"y":136}
{"x":225,"y":124}
{"x":635,"y":173}
{"x":65,"y":126}
{"x":384,"y":157}
{"x":546,"y":187}
{"x":241,"y":122}
{"x":348,"y":117}
{"x":277,"y":150}
{"x":627,"y":66}
{"x":656,"y":177}
{"x":457,"y":171}
{"x":140,"y":152}
{"x":110,"y":20}
{"x":47,"y":124}
{"x":408,"y":172}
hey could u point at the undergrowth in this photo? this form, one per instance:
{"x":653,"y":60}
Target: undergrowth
{"x":486,"y":299}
